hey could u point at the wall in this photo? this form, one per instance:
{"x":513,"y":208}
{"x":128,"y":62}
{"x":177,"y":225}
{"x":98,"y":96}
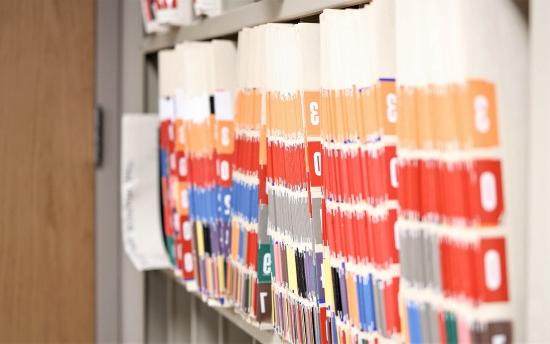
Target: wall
{"x":538,"y":188}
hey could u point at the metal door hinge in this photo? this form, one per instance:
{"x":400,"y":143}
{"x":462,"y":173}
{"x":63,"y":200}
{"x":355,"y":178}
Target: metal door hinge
{"x":98,"y":136}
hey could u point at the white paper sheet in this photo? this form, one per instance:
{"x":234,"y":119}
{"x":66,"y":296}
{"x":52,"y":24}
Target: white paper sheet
{"x":140,"y":196}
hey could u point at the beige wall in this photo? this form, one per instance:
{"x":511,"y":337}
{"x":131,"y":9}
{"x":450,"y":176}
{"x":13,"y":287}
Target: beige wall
{"x":538,"y":231}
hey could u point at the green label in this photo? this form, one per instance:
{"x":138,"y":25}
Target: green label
{"x":264,"y":263}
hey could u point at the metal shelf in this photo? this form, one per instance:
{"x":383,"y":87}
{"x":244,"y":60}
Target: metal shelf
{"x":265,"y":336}
{"x":261,"y":12}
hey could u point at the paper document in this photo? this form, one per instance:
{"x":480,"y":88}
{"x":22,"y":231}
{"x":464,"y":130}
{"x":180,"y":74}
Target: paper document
{"x":140,"y":197}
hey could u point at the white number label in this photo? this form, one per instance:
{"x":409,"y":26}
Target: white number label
{"x":224,"y":170}
{"x":314,"y":113}
{"x":188,"y":262}
{"x":171,"y":132}
{"x":227,"y":202}
{"x":225,"y":136}
{"x":493,"y":279}
{"x":184,"y":201}
{"x":488,"y":191}
{"x":391,"y":107}
{"x":498,"y":339}
{"x":481,"y":105}
{"x":187,"y":230}
{"x":267,"y":264}
{"x":393,"y":172}
{"x":317,"y":163}
{"x":263,"y":295}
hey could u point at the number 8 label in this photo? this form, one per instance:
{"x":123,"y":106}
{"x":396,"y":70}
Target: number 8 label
{"x":481,"y":116}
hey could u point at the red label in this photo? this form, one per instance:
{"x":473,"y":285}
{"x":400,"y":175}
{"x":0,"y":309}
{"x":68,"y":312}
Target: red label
{"x":391,"y":306}
{"x":252,"y":254}
{"x":429,"y":187}
{"x":453,"y":189}
{"x":485,"y":192}
{"x":262,"y":194}
{"x":315,"y":163}
{"x":390,"y":160}
{"x":182,"y":168}
{"x":491,"y":271}
{"x":187,"y":248}
{"x":224,"y":169}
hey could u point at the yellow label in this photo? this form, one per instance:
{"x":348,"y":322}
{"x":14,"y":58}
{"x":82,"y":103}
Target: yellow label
{"x":200,"y":238}
{"x":234,"y":239}
{"x":291,"y":264}
{"x":209,"y":280}
{"x":221,"y":274}
{"x":327,"y":282}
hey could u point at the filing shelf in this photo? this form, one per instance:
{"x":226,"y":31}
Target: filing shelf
{"x":229,"y":23}
{"x":261,"y":12}
{"x":261,"y":335}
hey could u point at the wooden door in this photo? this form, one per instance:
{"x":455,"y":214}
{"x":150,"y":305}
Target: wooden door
{"x":46,"y":171}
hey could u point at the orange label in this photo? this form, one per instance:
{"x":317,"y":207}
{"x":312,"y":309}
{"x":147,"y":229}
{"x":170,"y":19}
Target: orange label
{"x":312,"y":115}
{"x":200,"y":136}
{"x":325,"y":114}
{"x":245,"y":106}
{"x":180,"y":135}
{"x":225,"y":143}
{"x":387,"y":106}
{"x":406,"y":125}
{"x":263,"y":146}
{"x":240,"y":106}
{"x":234,"y":239}
{"x":182,"y":198}
{"x":426,"y":134}
{"x":480,"y":124}
{"x":445,"y":109}
{"x":256,"y":109}
{"x":370,"y":117}
{"x":350,"y":114}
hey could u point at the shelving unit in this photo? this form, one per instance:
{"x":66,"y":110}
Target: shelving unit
{"x":154,"y":306}
{"x":261,"y":12}
{"x":265,"y":336}
{"x":225,"y":25}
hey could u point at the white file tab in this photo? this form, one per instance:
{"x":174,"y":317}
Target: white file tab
{"x":140,"y":196}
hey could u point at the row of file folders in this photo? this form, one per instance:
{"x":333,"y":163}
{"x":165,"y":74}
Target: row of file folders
{"x":341,"y":182}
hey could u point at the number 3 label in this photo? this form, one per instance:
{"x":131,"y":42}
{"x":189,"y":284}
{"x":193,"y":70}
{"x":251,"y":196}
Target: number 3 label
{"x":481,"y":106}
{"x":314,"y":113}
{"x":391,"y":107}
